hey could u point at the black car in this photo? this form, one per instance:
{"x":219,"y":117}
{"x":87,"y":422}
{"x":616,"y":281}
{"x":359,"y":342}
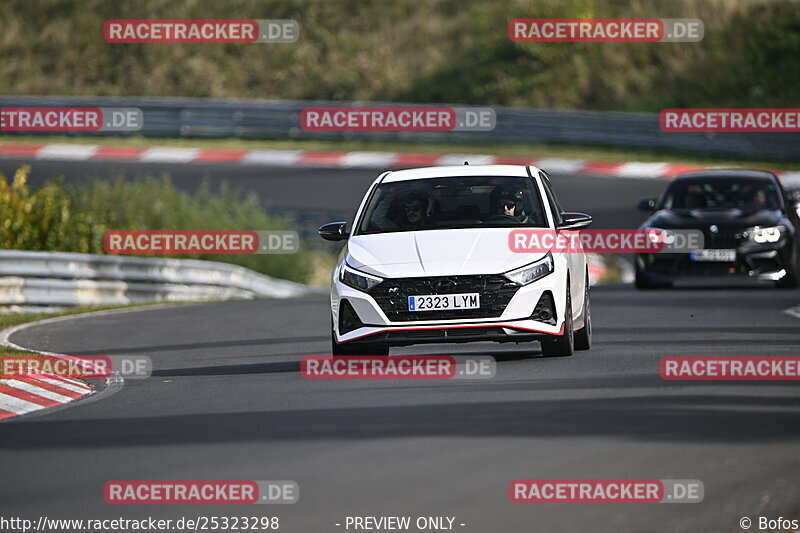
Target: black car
{"x":748,"y":222}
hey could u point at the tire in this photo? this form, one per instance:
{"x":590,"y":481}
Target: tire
{"x":583,"y":337}
{"x":643,"y":282}
{"x":349,"y":349}
{"x":563,"y":345}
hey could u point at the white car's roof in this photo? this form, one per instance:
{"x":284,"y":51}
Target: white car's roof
{"x":511,"y":171}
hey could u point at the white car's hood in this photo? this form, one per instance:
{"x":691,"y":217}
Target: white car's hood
{"x":436,"y":253}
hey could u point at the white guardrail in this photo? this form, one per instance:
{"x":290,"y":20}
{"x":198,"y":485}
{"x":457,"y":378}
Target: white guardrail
{"x":61,"y":279}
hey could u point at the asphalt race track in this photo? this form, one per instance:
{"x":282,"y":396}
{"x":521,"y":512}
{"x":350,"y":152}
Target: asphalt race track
{"x":227,"y":401}
{"x":612,"y":201}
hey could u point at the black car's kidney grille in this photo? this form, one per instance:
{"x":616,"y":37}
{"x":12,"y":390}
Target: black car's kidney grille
{"x":723,"y":239}
{"x":392,"y":296}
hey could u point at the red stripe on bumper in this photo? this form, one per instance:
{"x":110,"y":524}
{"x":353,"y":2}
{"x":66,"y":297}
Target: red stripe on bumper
{"x":561,"y":331}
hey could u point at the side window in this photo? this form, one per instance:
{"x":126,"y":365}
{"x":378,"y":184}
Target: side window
{"x":555,"y":207}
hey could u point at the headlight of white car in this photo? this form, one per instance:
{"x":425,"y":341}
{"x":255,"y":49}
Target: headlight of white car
{"x":765,"y":234}
{"x":356,"y":279}
{"x":530,"y":273}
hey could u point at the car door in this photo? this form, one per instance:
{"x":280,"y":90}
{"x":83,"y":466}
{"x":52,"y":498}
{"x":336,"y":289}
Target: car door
{"x":575,"y":259}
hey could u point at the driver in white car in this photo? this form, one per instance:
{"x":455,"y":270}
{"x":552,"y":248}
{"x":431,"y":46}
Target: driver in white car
{"x":506,"y":203}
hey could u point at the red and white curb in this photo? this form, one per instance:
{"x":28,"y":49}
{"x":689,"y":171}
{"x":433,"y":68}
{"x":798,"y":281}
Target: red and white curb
{"x":23,"y":396}
{"x":56,"y":390}
{"x":41,"y":391}
{"x":378,"y":160}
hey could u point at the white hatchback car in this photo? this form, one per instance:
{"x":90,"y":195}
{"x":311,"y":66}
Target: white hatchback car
{"x":429,"y":260}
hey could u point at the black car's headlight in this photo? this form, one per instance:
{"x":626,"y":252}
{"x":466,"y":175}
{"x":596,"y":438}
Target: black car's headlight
{"x":356,"y":279}
{"x":530,"y":273}
{"x":765,"y":234}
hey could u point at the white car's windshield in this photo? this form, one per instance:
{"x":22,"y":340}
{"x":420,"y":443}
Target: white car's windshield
{"x":450,"y":203}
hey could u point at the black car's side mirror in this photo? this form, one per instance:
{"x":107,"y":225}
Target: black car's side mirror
{"x":575,"y":221}
{"x":335,"y":231}
{"x":792,"y":201}
{"x":648,"y":204}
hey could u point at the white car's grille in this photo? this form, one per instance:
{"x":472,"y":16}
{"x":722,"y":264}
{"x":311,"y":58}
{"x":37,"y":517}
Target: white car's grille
{"x":495,"y":294}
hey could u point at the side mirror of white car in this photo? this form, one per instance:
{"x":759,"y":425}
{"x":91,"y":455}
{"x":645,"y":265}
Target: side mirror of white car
{"x":575,"y":221}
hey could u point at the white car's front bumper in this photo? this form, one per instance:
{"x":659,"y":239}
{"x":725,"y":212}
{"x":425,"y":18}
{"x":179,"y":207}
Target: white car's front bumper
{"x":513,"y":324}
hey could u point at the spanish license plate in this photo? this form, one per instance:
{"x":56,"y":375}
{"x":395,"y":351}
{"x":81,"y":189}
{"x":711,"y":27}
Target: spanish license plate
{"x":720,"y":256}
{"x":439,"y":302}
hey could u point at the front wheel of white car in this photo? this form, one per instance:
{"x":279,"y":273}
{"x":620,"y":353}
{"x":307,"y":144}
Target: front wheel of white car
{"x":583,"y":337}
{"x":563,"y":345}
{"x":350,"y":349}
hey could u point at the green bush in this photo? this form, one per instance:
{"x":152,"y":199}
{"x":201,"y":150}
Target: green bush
{"x":74,"y":219}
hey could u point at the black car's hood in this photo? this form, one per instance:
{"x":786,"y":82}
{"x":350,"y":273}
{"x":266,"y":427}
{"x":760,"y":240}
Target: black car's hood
{"x":702,"y":218}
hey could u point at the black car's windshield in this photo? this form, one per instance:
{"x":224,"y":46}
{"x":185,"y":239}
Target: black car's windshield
{"x":731,"y":193}
{"x":450,"y":203}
